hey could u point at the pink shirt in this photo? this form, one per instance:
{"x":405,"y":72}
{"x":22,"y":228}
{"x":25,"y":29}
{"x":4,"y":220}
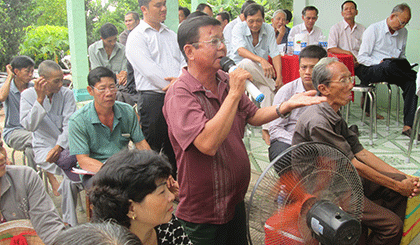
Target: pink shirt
{"x":209,"y":192}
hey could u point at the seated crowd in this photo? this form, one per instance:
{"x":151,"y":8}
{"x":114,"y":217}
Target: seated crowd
{"x":191,"y":111}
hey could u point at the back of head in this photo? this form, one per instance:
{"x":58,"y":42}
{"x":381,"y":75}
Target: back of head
{"x":202,"y":6}
{"x":224,"y":15}
{"x":195,"y":14}
{"x":21,"y":61}
{"x":309,"y":8}
{"x":127,"y":175}
{"x":135,"y":15}
{"x":321,"y":74}
{"x":253,"y":9}
{"x":246,"y":3}
{"x":46,"y":67}
{"x":288,"y":15}
{"x":105,"y":233}
{"x":401,"y":8}
{"x":349,"y":1}
{"x":108,"y":30}
{"x":188,"y":31}
{"x":96,"y":74}
{"x":185,"y":10}
{"x":313,"y":51}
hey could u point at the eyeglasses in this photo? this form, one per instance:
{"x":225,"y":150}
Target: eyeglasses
{"x":402,"y":23}
{"x":103,"y":90}
{"x":216,"y":42}
{"x":344,"y":81}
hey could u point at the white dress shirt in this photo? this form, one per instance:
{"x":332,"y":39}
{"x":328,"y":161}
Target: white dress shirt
{"x":313,"y":36}
{"x":282,"y":129}
{"x":49,"y":122}
{"x":154,"y":55}
{"x":378,"y":43}
{"x":343,"y":37}
{"x":227,"y":34}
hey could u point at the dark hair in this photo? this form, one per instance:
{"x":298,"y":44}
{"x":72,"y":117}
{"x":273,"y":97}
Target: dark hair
{"x":46,"y":67}
{"x":225,"y":15}
{"x":253,"y":9}
{"x":127,"y":175}
{"x":288,"y":15}
{"x":144,"y":3}
{"x":342,"y":5}
{"x":22,"y":61}
{"x":313,"y":51}
{"x":401,"y":8}
{"x":108,"y":30}
{"x":188,"y":31}
{"x":135,"y":15}
{"x":195,"y":14}
{"x":96,"y":74}
{"x":185,"y":10}
{"x":246,"y":3}
{"x":202,"y":6}
{"x":309,"y":8}
{"x":105,"y":233}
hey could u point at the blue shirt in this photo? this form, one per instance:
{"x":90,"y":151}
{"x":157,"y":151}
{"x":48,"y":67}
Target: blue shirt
{"x":12,"y":111}
{"x":242,"y":38}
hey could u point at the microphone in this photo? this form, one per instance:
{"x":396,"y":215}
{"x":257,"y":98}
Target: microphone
{"x":228,"y":66}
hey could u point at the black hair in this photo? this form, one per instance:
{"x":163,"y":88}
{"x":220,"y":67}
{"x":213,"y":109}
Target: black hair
{"x":253,"y":9}
{"x":108,"y":30}
{"x":288,"y":15}
{"x":202,"y":6}
{"x":309,"y":8}
{"x":188,"y":31}
{"x":185,"y":10}
{"x":196,"y":14}
{"x":144,"y":3}
{"x":342,"y":5}
{"x":313,"y":51}
{"x":22,"y":61}
{"x":104,"y":233}
{"x":135,"y":15}
{"x":127,"y":175}
{"x":96,"y":74}
{"x":46,"y":67}
{"x":246,"y":3}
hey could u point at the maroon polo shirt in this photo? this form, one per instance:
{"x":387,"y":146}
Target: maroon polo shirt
{"x":209,"y":191}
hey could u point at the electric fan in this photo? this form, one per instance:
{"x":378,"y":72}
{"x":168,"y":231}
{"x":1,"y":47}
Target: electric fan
{"x":309,"y":194}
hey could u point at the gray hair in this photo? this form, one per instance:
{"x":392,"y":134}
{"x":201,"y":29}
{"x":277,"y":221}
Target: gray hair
{"x":278,"y":12}
{"x":105,"y":233}
{"x":401,"y":8}
{"x":321,"y":74}
{"x":46,"y":67}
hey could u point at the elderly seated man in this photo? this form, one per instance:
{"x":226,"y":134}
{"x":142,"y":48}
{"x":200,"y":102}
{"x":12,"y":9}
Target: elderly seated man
{"x":386,"y":189}
{"x":104,"y":126}
{"x":23,"y":196}
{"x":45,"y":111}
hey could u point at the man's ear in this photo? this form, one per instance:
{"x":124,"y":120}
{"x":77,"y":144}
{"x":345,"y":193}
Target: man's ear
{"x":324,"y":89}
{"x":189,"y":51}
{"x":143,"y":9}
{"x":90,"y":90}
{"x":131,"y":210}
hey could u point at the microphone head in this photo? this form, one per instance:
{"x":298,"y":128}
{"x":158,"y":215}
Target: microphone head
{"x":226,"y":63}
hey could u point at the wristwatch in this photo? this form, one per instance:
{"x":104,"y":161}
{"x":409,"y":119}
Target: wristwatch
{"x":284,"y":116}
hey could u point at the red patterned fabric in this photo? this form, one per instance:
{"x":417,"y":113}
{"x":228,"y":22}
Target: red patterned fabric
{"x":289,"y":68}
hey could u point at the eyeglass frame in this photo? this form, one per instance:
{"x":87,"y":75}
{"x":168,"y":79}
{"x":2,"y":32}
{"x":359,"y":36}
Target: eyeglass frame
{"x":349,"y":80}
{"x":219,"y":42}
{"x":101,"y":91}
{"x":401,"y":23}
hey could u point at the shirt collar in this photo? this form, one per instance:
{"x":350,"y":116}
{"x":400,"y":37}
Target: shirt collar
{"x":5,"y":183}
{"x":144,"y":26}
{"x":332,"y":116}
{"x":196,"y":86}
{"x":386,"y":28}
{"x":94,"y":118}
{"x":13,"y":87}
{"x":262,"y":32}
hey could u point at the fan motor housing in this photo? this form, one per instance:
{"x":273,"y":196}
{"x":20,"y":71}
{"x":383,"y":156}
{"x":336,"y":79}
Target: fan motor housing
{"x":331,"y":225}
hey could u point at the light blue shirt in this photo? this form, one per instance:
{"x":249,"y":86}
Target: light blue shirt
{"x":378,"y":43}
{"x":12,"y":111}
{"x":242,"y":38}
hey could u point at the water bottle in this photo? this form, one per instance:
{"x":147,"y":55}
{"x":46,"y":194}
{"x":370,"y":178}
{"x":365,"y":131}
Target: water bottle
{"x":289,"y":50}
{"x":322,"y":42}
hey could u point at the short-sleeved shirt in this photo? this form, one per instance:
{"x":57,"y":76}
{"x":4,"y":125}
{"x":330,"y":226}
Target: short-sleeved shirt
{"x":320,"y":123}
{"x":12,"y":110}
{"x":209,"y":192}
{"x":313,"y":36}
{"x":344,"y":37}
{"x":87,"y":135}
{"x":242,"y":38}
{"x":98,"y":57}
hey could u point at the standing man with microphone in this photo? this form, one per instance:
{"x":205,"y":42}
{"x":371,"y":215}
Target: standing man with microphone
{"x":206,"y":111}
{"x":253,"y":41}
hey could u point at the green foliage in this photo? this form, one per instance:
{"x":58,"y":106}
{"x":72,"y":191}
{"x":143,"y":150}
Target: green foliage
{"x":51,"y":12}
{"x":45,"y":42}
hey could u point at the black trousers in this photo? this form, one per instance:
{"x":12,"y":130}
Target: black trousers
{"x":396,"y":72}
{"x":154,"y":126}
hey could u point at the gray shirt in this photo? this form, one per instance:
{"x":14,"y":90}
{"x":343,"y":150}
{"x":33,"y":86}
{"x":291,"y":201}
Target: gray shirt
{"x":320,"y":123}
{"x":23,"y":197}
{"x":98,"y":57}
{"x":12,"y":110}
